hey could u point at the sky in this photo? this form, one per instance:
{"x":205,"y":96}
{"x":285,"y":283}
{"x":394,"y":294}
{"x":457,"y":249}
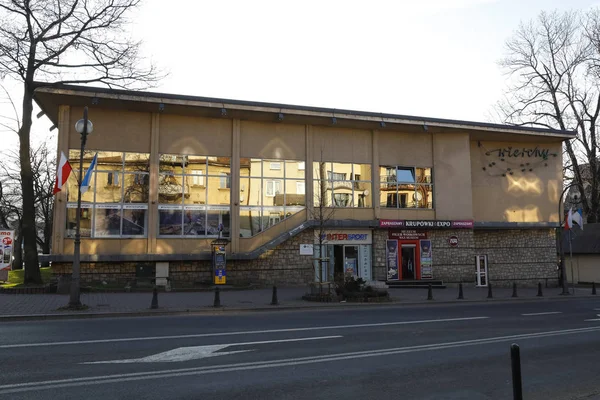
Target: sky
{"x":434,"y":58}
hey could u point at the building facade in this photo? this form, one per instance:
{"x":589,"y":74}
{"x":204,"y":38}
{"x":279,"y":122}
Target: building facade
{"x":302,"y":193}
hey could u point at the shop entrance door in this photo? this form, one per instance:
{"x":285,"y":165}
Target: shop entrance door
{"x":482,"y":270}
{"x":409,"y":261}
{"x":351,"y":260}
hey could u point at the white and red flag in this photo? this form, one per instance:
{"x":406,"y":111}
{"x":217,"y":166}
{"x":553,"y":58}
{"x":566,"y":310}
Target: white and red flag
{"x":64,"y":170}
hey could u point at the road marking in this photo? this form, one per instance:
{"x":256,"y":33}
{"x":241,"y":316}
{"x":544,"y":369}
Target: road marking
{"x":596,"y":319}
{"x":212,"y":369}
{"x":542,"y":313}
{"x":200,"y":335}
{"x":197,"y":352}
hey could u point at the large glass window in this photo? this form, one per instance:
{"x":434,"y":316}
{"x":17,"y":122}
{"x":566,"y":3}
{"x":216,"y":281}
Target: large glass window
{"x":194,"y":195}
{"x":342,"y":184}
{"x":116,"y":202}
{"x":270,"y":191}
{"x":406,"y":187}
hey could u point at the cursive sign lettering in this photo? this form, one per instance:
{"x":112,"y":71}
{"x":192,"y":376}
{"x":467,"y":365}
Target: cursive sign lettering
{"x":512,"y":152}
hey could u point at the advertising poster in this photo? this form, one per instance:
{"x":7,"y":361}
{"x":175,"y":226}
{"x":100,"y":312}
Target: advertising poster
{"x":391,"y":253}
{"x":7,"y":239}
{"x":426,"y":261}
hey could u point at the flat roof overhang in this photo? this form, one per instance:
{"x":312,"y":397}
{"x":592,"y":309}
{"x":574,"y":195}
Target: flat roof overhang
{"x":49,"y":98}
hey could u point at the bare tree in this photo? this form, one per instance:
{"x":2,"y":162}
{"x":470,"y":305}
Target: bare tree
{"x":11,"y":199}
{"x":554,"y":66}
{"x":322,"y":212}
{"x":63,"y":42}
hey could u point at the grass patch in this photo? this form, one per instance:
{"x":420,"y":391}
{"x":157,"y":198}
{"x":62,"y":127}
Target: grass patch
{"x":17,"y":277}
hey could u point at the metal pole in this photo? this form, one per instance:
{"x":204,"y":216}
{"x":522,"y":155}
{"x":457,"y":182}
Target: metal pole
{"x":74,"y":300}
{"x":563,"y":267}
{"x":571,"y":255}
{"x":515,"y":358}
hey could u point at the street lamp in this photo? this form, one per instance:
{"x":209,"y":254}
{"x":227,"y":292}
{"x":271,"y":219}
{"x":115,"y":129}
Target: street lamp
{"x":84,"y":126}
{"x":563,"y":268}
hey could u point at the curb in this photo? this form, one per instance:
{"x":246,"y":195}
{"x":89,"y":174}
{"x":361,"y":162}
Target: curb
{"x":208,"y":310}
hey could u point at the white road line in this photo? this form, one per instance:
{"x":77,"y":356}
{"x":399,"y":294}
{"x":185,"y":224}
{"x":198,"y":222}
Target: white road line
{"x":170,"y":373}
{"x":542,"y":313}
{"x":589,"y":320}
{"x":197,"y":352}
{"x":219,"y":334}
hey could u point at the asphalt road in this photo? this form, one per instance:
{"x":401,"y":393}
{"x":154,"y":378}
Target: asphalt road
{"x":389,"y":352}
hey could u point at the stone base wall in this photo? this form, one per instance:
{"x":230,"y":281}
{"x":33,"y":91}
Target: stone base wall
{"x":522,"y":256}
{"x":282,"y":265}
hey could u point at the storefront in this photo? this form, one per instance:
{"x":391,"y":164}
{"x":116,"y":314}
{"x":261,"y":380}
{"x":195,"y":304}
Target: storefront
{"x":343,"y":252}
{"x":409,"y":250}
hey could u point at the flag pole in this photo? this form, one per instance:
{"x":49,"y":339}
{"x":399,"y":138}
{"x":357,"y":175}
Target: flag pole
{"x":571,"y":255}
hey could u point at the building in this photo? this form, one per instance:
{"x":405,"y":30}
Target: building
{"x":581,"y":249}
{"x":405,"y":198}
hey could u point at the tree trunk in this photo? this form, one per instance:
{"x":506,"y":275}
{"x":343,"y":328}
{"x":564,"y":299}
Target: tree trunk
{"x":28,"y":232}
{"x":18,"y":251}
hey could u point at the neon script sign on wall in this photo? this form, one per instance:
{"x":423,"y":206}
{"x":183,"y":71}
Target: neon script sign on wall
{"x":523,"y":152}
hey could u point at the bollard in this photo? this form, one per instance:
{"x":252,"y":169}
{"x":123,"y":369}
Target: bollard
{"x":274,"y":301}
{"x":429,"y":292}
{"x":515,"y":358}
{"x":217,"y":302}
{"x":490,"y":291}
{"x":594,"y":288}
{"x":460,"y":292}
{"x":154,"y":304}
{"x":514,"y":289}
{"x":540,"y":294}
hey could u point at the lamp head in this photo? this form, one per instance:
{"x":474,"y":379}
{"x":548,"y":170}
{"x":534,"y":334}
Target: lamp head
{"x":79,"y":126}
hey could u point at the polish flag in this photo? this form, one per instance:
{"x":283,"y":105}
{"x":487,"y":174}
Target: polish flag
{"x":64,"y":170}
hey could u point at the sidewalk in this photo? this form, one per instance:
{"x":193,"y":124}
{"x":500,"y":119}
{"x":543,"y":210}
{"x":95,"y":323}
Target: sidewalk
{"x":39,"y":306}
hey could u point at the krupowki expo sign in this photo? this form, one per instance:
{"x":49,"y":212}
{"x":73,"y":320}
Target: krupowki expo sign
{"x":423,"y":223}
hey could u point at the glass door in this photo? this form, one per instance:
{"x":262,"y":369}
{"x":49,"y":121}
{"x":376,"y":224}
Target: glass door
{"x":351,"y":260}
{"x":408,"y":262}
{"x":482,"y":270}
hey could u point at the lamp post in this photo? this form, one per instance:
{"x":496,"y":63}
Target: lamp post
{"x":84,"y":126}
{"x":563,"y":268}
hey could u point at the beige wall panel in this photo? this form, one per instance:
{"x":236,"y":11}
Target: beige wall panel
{"x":530,"y":196}
{"x":194,"y":246}
{"x":113,"y":130}
{"x":134,"y":246}
{"x":95,"y":246}
{"x":451,"y":172}
{"x":409,"y":149}
{"x":392,"y":213}
{"x":195,"y":135}
{"x":342,"y":145}
{"x":168,"y":246}
{"x":272,"y":140}
{"x":249,"y":244}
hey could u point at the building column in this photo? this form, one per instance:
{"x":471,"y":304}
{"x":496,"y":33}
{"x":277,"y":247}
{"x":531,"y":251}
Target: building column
{"x":375,"y":178}
{"x":153,"y":190}
{"x":235,"y":186}
{"x":59,"y":216}
{"x":309,"y":172}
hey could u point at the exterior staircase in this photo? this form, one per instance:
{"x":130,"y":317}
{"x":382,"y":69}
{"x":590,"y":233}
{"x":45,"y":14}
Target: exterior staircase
{"x":423,"y":284}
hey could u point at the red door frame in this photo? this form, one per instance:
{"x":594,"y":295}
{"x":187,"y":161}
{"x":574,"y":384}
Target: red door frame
{"x":417,"y":258}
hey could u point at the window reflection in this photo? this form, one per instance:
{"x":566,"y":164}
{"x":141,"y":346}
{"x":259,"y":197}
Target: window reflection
{"x":406,"y":187}
{"x":342,"y":184}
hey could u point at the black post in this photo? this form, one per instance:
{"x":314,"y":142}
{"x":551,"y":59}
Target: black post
{"x":594,"y":288}
{"x":515,"y":358}
{"x":217,"y":302}
{"x":540,"y":294}
{"x":490,"y":291}
{"x":429,"y":293}
{"x":274,"y":301}
{"x":154,"y":304}
{"x":460,"y":292}
{"x":514,"y":289}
